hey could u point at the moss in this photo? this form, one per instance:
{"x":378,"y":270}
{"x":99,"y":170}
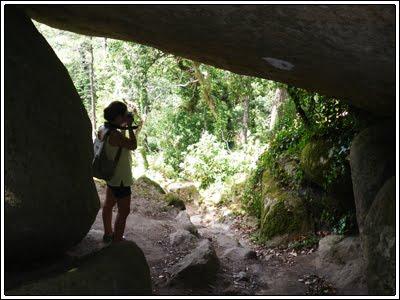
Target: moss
{"x":175,"y":201}
{"x":152,"y":183}
{"x":315,"y":161}
{"x":282,"y":211}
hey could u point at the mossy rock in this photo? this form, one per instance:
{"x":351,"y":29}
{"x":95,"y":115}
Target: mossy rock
{"x":234,"y":194}
{"x":174,"y":200}
{"x":317,"y":161}
{"x":282,"y":212}
{"x":148,"y":181}
{"x":187,"y":192}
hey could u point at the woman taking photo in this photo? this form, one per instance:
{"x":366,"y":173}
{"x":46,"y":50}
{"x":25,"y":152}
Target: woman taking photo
{"x":118,"y":190}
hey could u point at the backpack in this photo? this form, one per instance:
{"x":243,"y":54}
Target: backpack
{"x":103,"y":168}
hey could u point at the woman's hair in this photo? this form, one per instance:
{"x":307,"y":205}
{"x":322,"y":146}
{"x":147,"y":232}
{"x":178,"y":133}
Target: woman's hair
{"x":114,"y":109}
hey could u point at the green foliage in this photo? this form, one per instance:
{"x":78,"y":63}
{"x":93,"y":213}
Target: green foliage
{"x":209,"y":160}
{"x":342,"y":224}
{"x":306,"y":243}
{"x":195,"y":121}
{"x":330,"y":121}
{"x":279,"y":220}
{"x":173,"y":199}
{"x":252,"y":193}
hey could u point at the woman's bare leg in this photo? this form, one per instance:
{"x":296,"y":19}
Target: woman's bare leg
{"x":107,"y":211}
{"x":124,"y":207}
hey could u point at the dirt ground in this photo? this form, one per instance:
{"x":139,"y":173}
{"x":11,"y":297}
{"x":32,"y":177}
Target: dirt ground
{"x":245,"y":268}
{"x":270,"y":271}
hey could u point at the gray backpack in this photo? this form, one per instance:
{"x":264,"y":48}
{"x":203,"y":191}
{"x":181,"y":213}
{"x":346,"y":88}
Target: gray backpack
{"x":103,"y":168}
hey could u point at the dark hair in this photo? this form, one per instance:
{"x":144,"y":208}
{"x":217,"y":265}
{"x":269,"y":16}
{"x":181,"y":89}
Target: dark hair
{"x":114,"y":109}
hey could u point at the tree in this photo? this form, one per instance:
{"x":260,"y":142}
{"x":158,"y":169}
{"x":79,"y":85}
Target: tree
{"x":92,"y":88}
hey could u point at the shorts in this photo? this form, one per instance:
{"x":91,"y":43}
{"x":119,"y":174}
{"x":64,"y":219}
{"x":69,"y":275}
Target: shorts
{"x":120,"y":191}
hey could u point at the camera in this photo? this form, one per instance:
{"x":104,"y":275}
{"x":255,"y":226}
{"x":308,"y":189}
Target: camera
{"x":129,"y":115}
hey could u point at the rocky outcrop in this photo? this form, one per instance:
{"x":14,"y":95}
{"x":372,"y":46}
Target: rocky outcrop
{"x":175,"y":200}
{"x":183,"y":222}
{"x":317,"y":162}
{"x":187,"y":192}
{"x":120,"y":269}
{"x":50,"y":199}
{"x":379,"y":241}
{"x":373,"y":165}
{"x":339,"y":259}
{"x":154,"y":185}
{"x":282,"y":212}
{"x":372,"y":161}
{"x":353,"y":46}
{"x":201,"y":263}
{"x":182,"y":237}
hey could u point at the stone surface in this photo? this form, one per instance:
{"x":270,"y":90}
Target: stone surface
{"x":120,"y":269}
{"x":180,"y":237}
{"x":201,"y":263}
{"x":282,"y":212}
{"x":183,"y":222}
{"x":352,"y":46}
{"x":379,"y":241}
{"x":339,"y":259}
{"x":147,"y":181}
{"x":372,"y":162}
{"x":187,"y":192}
{"x":175,"y":200}
{"x":317,"y":161}
{"x":239,"y":253}
{"x":51,"y":199}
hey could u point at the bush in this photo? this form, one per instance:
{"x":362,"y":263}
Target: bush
{"x":208,"y":161}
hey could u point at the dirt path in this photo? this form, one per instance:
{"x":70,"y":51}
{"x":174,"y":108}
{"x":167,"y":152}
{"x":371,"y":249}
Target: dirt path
{"x":245,"y":269}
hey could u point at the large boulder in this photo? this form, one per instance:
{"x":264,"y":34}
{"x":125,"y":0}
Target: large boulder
{"x":183,"y":222}
{"x":187,"y":192}
{"x":151,"y":183}
{"x":120,"y":269}
{"x":372,"y":161}
{"x":198,"y":267}
{"x":353,"y":46}
{"x":339,"y":259}
{"x":175,"y":200}
{"x":282,"y":213}
{"x":50,"y":197}
{"x":379,"y":241}
{"x":373,"y":168}
{"x":317,"y":162}
{"x":182,"y":237}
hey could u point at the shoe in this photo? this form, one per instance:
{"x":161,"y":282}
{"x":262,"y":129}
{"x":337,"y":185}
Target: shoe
{"x":108,"y":238}
{"x":122,"y":240}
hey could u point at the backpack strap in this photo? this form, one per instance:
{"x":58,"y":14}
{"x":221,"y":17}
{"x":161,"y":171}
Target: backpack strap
{"x":117,"y":156}
{"x":116,"y":159}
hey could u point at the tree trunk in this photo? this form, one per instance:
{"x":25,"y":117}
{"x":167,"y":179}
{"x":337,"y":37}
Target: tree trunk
{"x":144,"y":151}
{"x":280,"y":97}
{"x":92,"y":87}
{"x":245,"y":118}
{"x":296,"y":99}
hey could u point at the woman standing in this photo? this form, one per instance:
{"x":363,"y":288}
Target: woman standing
{"x":118,"y":189}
